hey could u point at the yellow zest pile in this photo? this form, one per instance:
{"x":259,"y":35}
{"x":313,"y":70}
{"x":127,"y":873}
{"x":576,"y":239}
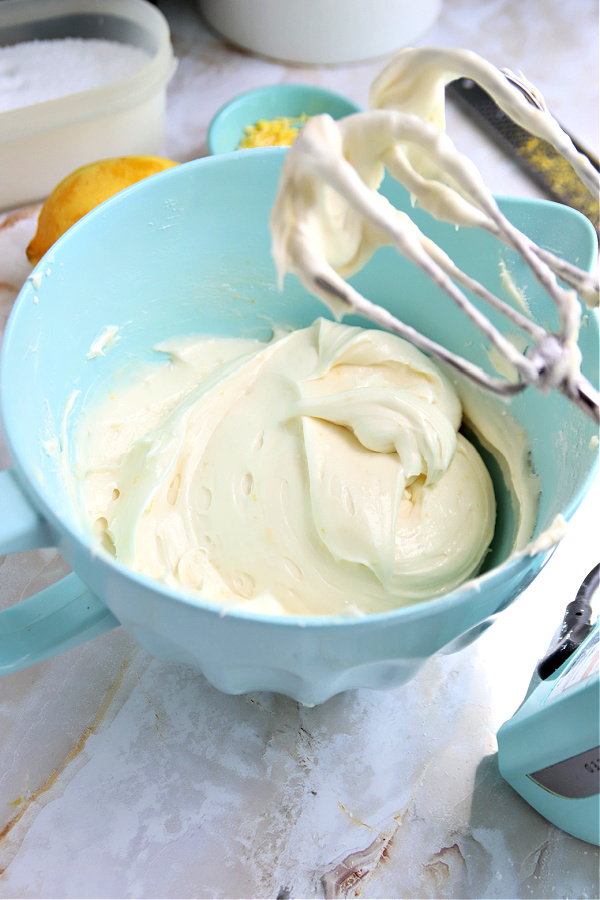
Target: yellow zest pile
{"x":279,"y":132}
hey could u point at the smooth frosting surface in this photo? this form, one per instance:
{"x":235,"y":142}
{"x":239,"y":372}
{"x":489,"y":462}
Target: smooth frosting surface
{"x":319,"y":473}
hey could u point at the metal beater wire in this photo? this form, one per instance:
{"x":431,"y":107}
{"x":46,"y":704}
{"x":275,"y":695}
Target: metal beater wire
{"x":553,"y":362}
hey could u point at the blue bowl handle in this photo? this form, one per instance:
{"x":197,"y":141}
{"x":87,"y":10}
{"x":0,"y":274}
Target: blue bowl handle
{"x":62,"y":616}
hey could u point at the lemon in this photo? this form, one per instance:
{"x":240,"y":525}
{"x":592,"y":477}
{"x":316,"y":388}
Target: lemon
{"x":84,"y":189}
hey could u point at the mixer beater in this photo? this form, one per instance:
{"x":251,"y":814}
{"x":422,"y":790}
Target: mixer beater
{"x":329,"y":218}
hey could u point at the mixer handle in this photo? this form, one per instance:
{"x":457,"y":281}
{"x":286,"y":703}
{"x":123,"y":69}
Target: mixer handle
{"x":21,"y":526}
{"x":56,"y":619}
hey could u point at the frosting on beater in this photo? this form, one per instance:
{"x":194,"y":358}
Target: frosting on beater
{"x":329,"y":217}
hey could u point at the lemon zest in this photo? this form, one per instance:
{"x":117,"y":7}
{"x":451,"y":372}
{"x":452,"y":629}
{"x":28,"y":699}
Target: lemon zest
{"x":279,"y":132}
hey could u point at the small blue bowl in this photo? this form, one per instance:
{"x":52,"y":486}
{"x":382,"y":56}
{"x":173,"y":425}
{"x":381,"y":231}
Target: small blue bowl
{"x":226,"y":129}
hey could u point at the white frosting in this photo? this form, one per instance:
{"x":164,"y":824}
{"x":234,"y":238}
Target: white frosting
{"x":516,"y":293}
{"x":329,"y":218}
{"x":320,"y":473}
{"x":414,"y":81}
{"x":548,"y":538}
{"x":100,"y":344}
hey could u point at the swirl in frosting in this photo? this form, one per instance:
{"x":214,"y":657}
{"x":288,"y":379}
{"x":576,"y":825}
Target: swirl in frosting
{"x":319,"y":473}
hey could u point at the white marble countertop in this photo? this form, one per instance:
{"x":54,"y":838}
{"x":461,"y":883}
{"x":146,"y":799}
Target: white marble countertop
{"x":123,"y":776}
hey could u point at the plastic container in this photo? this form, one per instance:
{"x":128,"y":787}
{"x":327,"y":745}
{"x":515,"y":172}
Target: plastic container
{"x":42,"y":142}
{"x":227,"y":127}
{"x":320,"y":32}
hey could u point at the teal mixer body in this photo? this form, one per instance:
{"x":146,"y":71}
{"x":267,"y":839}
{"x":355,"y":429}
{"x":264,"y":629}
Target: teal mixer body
{"x":549,"y":751}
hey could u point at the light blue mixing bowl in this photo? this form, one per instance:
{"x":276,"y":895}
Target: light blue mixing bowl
{"x":188,"y":251}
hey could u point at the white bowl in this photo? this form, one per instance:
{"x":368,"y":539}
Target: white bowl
{"x":320,"y":32}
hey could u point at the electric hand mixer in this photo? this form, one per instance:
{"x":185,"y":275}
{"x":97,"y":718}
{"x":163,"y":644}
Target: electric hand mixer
{"x":328,"y":219}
